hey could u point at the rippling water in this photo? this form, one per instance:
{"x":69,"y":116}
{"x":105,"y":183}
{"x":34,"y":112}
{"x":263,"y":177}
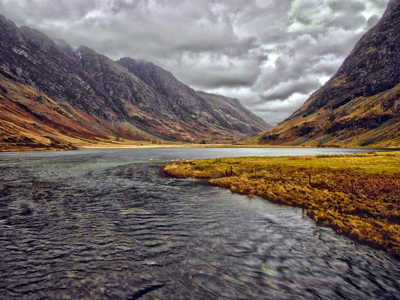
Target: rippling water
{"x":107,"y":224}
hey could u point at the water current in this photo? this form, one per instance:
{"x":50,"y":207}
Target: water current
{"x":107,"y":224}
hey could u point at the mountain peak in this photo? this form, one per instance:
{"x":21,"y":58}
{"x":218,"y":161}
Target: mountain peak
{"x":7,"y":23}
{"x":38,"y":38}
{"x":86,"y":51}
{"x":225,"y":111}
{"x":145,"y":68}
{"x":158,"y":78}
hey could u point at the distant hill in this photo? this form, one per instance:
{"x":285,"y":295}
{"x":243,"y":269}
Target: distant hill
{"x":51,"y":94}
{"x":360,"y":104}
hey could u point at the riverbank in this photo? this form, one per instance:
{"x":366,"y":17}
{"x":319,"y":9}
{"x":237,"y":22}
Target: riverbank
{"x":356,"y":195}
{"x":36,"y":148}
{"x":177,"y":145}
{"x":128,"y":145}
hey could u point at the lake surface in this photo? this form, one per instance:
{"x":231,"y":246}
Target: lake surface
{"x":107,"y":224}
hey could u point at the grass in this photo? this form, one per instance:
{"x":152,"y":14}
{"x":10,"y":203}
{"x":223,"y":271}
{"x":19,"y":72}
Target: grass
{"x":356,"y":195}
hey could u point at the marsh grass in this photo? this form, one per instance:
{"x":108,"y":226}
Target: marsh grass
{"x":356,"y":195}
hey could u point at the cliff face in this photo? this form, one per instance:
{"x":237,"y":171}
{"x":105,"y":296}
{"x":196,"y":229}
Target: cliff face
{"x":360,"y":104}
{"x":129,"y":98}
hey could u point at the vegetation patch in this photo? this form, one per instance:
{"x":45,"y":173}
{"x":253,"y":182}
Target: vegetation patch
{"x":356,"y":195}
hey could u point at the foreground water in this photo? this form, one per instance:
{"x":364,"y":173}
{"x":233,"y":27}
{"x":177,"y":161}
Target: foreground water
{"x":107,"y":224}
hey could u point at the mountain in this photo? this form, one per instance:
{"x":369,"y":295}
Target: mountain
{"x":360,"y":104}
{"x":201,"y":113}
{"x":90,"y":97}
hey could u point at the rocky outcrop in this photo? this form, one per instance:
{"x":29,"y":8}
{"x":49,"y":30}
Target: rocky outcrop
{"x":358,"y":105}
{"x":138,"y":96}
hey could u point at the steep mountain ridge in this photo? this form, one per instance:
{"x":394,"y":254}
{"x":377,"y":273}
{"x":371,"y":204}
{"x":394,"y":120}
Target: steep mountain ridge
{"x":112,"y":92}
{"x":185,"y":102}
{"x":360,"y":104}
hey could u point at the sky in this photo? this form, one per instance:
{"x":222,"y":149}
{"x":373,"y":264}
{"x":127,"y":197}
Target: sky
{"x":270,"y":54}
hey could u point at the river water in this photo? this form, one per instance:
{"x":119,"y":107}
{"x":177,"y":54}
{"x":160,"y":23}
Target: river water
{"x":107,"y":224}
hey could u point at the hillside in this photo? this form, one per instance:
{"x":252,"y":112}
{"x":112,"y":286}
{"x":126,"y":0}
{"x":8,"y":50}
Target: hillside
{"x":207,"y":116}
{"x":360,"y":104}
{"x":92,"y":97}
{"x":31,"y":120}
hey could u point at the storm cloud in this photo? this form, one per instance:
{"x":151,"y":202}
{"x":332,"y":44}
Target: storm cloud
{"x":269,"y":54}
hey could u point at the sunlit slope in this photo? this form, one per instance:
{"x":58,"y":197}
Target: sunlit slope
{"x":31,"y":120}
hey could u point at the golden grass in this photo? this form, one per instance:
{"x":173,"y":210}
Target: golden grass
{"x":357,"y":195}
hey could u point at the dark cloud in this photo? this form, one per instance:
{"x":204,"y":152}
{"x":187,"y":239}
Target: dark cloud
{"x":270,"y":54}
{"x":286,"y":89}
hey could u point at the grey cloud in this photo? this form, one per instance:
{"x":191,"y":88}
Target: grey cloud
{"x":347,"y":6}
{"x":326,"y":66}
{"x":379,"y":3}
{"x":348,"y":23}
{"x":218,"y":71}
{"x":278,"y":110}
{"x":287,"y":89}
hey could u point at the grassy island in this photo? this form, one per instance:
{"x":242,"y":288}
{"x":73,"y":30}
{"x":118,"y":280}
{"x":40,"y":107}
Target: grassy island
{"x":357,"y":195}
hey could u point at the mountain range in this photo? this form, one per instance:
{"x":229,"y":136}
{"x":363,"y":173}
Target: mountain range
{"x":360,"y":104}
{"x":54,"y":96}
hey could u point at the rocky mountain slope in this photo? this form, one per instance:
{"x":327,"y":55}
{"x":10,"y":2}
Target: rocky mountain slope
{"x":128,"y":99}
{"x":360,"y":104}
{"x":203,"y":112}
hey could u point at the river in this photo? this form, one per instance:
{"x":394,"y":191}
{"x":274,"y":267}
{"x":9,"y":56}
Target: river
{"x":107,"y":224}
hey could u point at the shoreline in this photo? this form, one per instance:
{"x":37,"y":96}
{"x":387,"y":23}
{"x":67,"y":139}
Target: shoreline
{"x":157,"y":146}
{"x":184,"y":146}
{"x":354,"y":194}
